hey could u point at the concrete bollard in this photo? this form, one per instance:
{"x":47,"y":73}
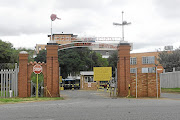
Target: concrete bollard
{"x":10,"y":93}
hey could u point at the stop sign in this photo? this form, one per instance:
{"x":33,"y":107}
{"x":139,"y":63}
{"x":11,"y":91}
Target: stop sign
{"x":37,"y":69}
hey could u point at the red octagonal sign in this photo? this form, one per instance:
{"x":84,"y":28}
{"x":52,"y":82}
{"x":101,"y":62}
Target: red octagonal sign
{"x":37,"y":69}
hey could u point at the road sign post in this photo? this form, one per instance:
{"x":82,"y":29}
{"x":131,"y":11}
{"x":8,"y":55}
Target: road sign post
{"x":37,"y":69}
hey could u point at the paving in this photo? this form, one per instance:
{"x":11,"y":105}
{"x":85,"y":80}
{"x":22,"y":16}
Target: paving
{"x":93,"y":105}
{"x":175,"y":96}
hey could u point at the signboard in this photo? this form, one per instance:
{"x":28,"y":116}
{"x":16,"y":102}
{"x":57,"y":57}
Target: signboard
{"x":89,"y":84}
{"x":102,"y":73}
{"x":37,"y":69}
{"x":75,"y":44}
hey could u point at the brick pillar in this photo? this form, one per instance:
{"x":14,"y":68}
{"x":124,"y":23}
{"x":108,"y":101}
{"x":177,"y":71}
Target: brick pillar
{"x":52,"y":69}
{"x":123,"y":69}
{"x":22,"y":76}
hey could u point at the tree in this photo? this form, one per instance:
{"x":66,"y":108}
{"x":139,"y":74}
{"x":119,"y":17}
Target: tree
{"x":102,"y":62}
{"x":113,"y":59}
{"x":41,"y":57}
{"x":7,"y":53}
{"x":29,"y":51}
{"x":170,"y":59}
{"x":72,"y":61}
{"x":34,"y":77}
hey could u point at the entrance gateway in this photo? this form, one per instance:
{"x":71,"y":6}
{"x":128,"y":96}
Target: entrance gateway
{"x":51,"y":71}
{"x":51,"y":74}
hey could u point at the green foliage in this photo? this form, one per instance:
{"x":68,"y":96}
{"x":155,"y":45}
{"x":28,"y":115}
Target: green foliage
{"x":34,"y":78}
{"x":75,"y":60}
{"x":41,"y":57}
{"x":102,"y":62}
{"x":79,"y":59}
{"x":16,"y":100}
{"x":170,"y":90}
{"x":29,"y":51}
{"x":7,"y":53}
{"x":113,"y":59}
{"x":170,"y":59}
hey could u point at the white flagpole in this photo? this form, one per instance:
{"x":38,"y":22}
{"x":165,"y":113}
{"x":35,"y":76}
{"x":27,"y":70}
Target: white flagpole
{"x":51,"y":31}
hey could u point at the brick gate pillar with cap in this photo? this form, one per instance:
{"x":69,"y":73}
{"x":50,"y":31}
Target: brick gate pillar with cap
{"x":123,"y":67}
{"x":22,"y":75}
{"x":52,"y":82}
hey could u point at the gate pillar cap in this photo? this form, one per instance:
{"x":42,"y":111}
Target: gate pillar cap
{"x":23,"y":52}
{"x":52,"y":44}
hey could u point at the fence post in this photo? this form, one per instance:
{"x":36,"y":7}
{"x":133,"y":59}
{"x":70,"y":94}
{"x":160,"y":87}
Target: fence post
{"x":16,"y":79}
{"x":4,"y":79}
{"x":157,"y":82}
{"x":1,"y":81}
{"x":136,"y":82}
{"x":6,"y":82}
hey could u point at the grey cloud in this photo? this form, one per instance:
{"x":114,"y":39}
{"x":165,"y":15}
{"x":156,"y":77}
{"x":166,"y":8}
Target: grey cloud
{"x":72,"y":4}
{"x":158,"y":40}
{"x":24,"y":16}
{"x":168,"y":8}
{"x":16,"y":25}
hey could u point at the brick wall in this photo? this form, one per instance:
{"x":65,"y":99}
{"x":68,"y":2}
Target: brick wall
{"x":146,"y":85}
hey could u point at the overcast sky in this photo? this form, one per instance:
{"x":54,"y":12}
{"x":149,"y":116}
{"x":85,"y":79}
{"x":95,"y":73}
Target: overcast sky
{"x":155,"y":23}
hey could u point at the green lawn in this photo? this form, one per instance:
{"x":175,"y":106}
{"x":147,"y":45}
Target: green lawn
{"x":16,"y":100}
{"x":170,"y":90}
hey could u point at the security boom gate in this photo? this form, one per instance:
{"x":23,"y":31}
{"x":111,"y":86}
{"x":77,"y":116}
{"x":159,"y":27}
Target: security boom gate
{"x":9,"y":82}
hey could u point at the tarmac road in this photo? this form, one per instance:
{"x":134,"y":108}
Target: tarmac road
{"x":93,"y":105}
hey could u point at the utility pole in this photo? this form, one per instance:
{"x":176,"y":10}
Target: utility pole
{"x":122,"y":24}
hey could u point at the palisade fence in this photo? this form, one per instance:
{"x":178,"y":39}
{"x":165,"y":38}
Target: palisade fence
{"x":8,"y":80}
{"x":170,"y":79}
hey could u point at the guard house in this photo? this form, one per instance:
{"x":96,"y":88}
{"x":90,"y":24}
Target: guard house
{"x":87,"y":80}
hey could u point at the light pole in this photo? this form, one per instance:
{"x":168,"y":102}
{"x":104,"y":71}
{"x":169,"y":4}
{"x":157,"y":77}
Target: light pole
{"x":122,"y":24}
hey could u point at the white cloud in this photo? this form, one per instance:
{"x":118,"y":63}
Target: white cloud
{"x":151,"y":27}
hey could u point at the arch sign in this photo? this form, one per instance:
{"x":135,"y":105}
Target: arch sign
{"x":37,"y":69}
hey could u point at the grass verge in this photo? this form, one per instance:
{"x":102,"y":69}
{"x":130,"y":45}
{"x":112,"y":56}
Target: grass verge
{"x":18,"y":100}
{"x":170,"y":90}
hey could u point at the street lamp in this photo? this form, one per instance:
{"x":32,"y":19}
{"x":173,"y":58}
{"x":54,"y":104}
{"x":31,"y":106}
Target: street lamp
{"x":122,"y":24}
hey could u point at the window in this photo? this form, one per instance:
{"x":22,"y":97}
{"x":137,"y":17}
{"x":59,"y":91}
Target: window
{"x":107,"y":53}
{"x":39,"y":47}
{"x":148,"y":70}
{"x":132,"y":70}
{"x":88,"y":79}
{"x":133,"y":61}
{"x":148,"y":60}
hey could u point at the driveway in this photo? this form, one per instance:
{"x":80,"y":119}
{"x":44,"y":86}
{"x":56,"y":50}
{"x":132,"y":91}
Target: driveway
{"x":93,"y":105}
{"x":175,"y":96}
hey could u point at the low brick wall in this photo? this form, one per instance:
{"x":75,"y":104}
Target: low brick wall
{"x":146,"y":85}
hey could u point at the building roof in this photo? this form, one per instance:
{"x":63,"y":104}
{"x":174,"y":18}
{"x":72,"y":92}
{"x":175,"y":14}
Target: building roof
{"x":86,"y":73}
{"x":63,"y":34}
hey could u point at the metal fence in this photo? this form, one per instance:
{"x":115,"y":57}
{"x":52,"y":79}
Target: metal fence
{"x":9,"y":82}
{"x":170,"y":79}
